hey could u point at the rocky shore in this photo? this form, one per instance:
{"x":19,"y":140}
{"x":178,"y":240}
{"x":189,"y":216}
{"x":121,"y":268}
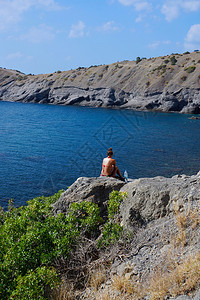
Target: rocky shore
{"x":161,"y":219}
{"x":169,"y":83}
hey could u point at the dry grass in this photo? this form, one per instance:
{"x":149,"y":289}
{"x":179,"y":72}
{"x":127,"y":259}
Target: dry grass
{"x":186,"y":221}
{"x":96,"y":278}
{"x":64,"y":292}
{"x":177,"y":275}
{"x":104,"y":296}
{"x":120,"y":283}
{"x":178,"y":279}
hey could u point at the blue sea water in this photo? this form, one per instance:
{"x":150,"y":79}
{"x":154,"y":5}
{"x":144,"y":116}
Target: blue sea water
{"x":44,"y":148}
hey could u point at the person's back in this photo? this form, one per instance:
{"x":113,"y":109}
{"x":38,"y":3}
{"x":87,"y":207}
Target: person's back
{"x":109,"y":168}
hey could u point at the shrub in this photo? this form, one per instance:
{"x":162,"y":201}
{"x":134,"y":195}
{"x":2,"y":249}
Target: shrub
{"x":114,"y":203}
{"x":190,"y":69}
{"x":85,"y":216}
{"x":33,"y":285}
{"x":173,"y":60}
{"x":32,"y":240}
{"x":30,"y":237}
{"x":110,"y":234}
{"x":184,"y":77}
{"x":112,"y":230}
{"x":138,"y":59}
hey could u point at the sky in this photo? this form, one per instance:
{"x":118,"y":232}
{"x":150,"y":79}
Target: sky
{"x":44,"y":36}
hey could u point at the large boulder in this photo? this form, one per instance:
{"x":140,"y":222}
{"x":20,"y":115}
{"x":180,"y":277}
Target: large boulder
{"x":95,"y":189}
{"x":152,"y":198}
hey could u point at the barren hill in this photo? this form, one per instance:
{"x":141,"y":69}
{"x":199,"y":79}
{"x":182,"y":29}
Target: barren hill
{"x":167,"y":83}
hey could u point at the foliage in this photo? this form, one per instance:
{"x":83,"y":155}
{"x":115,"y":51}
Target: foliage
{"x":34,"y":284}
{"x":32,"y":240}
{"x":138,"y":59}
{"x":161,"y":68}
{"x":173,"y":60}
{"x":110,"y":234}
{"x":114,"y":202}
{"x":190,"y":69}
{"x":184,"y":77}
{"x":85,"y":216}
{"x":166,"y":61}
{"x":112,"y":230}
{"x":30,"y":237}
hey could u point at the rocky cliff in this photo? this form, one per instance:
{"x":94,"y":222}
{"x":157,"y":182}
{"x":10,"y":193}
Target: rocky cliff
{"x":168,"y":83}
{"x":161,"y":218}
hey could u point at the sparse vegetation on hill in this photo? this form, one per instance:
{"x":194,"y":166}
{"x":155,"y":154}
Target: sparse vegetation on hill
{"x":91,"y":86}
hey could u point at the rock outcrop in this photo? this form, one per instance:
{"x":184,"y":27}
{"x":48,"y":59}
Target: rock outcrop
{"x":168,"y":83}
{"x":95,"y":189}
{"x":162,"y":219}
{"x":147,"y":199}
{"x":153,"y":198}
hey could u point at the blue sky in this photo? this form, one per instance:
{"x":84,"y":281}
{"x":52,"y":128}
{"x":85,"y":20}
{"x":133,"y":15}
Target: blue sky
{"x":44,"y":36}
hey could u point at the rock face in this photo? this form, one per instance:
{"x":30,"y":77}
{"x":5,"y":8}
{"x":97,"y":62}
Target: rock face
{"x":153,"y":198}
{"x":168,"y":83}
{"x":161,"y":216}
{"x":147,"y":199}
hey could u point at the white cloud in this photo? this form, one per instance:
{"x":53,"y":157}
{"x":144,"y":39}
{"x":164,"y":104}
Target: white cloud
{"x":11,"y":11}
{"x":108,"y":27}
{"x":156,"y":44}
{"x":39,"y":34}
{"x":77,"y":30}
{"x":192,"y":40}
{"x":138,"y":5}
{"x":14,"y":55}
{"x":190,"y":5}
{"x":172,"y":9}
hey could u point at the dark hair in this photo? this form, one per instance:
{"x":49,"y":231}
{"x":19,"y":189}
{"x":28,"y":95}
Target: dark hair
{"x":109,"y":152}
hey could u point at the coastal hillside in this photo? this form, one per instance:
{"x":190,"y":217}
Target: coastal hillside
{"x":104,"y":239}
{"x":167,"y":83}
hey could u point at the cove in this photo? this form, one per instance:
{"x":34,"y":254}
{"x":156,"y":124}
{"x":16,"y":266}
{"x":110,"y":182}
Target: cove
{"x":45,"y":148}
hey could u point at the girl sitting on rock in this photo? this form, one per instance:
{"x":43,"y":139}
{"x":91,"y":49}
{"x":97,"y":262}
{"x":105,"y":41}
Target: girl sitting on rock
{"x":109,"y":167}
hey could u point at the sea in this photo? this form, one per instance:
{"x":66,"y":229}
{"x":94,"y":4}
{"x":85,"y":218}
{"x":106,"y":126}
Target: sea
{"x":45,"y":148}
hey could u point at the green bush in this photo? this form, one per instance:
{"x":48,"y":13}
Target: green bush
{"x":115,"y":200}
{"x":110,"y":234}
{"x":35,"y":283}
{"x":85,"y":216}
{"x":173,"y":60}
{"x":184,"y":77}
{"x":112,"y":230}
{"x":190,"y":69}
{"x":138,"y":59}
{"x":32,"y":240}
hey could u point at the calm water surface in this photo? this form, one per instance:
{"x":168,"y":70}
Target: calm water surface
{"x":44,"y":148}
